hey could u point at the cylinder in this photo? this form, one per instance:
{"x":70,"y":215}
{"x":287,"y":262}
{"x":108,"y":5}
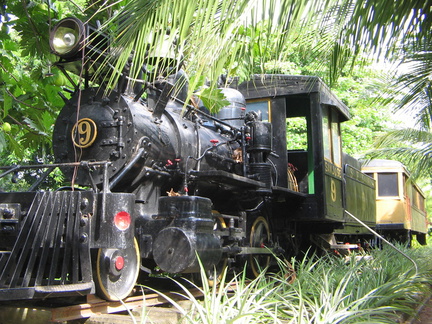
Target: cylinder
{"x":176,"y":250}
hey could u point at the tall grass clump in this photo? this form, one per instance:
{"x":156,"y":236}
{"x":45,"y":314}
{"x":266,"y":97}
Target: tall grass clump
{"x":378,"y":289}
{"x":383,"y":287}
{"x":235,"y":301}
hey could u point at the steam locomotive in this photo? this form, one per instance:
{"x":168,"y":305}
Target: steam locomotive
{"x":157,"y":184}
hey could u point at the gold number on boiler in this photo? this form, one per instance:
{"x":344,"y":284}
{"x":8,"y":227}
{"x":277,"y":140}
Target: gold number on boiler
{"x":84,"y":133}
{"x":333,"y":190}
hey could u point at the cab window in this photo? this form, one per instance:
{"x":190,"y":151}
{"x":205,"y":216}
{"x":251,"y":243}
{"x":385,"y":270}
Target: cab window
{"x":260,"y":106}
{"x":296,"y":133}
{"x":331,"y":136}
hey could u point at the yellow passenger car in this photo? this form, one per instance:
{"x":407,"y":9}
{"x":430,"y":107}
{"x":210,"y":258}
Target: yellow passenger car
{"x":400,"y":203}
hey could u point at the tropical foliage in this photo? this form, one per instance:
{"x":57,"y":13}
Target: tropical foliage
{"x":382,"y":288}
{"x":237,"y":37}
{"x":29,"y":98}
{"x":410,"y":93}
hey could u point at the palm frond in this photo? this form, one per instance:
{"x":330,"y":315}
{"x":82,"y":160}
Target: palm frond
{"x":214,"y":37}
{"x":210,"y":37}
{"x":412,"y":147}
{"x":376,"y":28}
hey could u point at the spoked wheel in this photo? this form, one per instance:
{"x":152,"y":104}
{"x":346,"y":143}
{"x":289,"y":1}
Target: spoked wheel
{"x":259,"y":237}
{"x":214,"y":275}
{"x":116,"y":271}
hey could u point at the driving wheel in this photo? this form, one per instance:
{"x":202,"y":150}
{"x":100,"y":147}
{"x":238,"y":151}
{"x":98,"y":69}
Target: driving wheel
{"x":215,"y":274}
{"x":259,"y":237}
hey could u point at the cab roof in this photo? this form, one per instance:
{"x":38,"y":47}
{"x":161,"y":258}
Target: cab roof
{"x":276,"y":85}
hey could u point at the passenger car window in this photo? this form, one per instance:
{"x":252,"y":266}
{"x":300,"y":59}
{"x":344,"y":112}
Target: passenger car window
{"x":388,"y":185}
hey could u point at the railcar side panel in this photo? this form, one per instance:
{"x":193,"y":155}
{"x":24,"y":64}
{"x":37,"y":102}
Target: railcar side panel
{"x":359,"y":199}
{"x":333,"y":192}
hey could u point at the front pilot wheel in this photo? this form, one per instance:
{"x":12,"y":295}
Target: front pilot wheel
{"x":116,"y":271}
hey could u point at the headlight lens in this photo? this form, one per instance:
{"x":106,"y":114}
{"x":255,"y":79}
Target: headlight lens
{"x":67,"y":37}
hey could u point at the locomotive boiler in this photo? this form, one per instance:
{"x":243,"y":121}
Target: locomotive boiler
{"x":156,"y":184}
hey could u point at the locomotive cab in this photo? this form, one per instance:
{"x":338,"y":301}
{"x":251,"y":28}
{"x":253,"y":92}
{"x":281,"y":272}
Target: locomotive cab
{"x":310,"y":172}
{"x":305,"y":117}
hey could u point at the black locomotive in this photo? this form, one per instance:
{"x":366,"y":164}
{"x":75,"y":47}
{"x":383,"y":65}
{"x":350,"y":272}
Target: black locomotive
{"x":159,"y":184}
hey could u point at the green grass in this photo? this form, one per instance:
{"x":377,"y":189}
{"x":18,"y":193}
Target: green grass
{"x":380,"y":289}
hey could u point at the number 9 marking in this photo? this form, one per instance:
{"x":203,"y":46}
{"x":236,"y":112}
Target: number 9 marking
{"x":84,"y":133}
{"x":333,"y":190}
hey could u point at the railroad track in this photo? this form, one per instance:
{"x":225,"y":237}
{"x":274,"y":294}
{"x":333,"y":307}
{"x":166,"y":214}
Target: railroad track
{"x":93,"y":306}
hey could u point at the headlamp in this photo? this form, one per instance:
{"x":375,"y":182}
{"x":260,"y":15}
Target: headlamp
{"x":67,"y":37}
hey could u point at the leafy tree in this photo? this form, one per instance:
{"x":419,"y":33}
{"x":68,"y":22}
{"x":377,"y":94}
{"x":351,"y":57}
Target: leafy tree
{"x":26,"y":96}
{"x":360,"y":91}
{"x":29,"y":86}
